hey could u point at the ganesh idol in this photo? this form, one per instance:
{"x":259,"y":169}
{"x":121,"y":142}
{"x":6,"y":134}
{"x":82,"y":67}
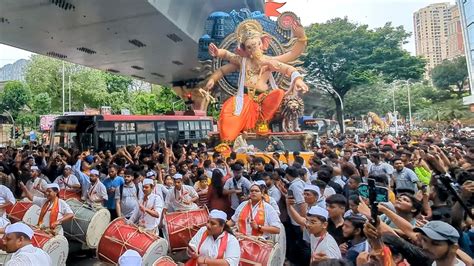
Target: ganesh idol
{"x":258,"y":98}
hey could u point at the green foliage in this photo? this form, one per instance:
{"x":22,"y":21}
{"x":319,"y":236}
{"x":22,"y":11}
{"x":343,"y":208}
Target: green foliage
{"x":26,"y":119}
{"x":117,"y":83}
{"x":14,"y":97}
{"x":348,"y":55}
{"x":445,"y":111}
{"x":145,"y":103}
{"x":451,"y":74}
{"x":166,"y":99}
{"x":41,"y":104}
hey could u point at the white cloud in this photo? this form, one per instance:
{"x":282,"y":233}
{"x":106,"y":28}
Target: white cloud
{"x":10,"y":54}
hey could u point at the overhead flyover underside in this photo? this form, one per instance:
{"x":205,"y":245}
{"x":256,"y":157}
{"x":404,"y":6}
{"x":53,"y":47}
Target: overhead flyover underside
{"x":152,"y":40}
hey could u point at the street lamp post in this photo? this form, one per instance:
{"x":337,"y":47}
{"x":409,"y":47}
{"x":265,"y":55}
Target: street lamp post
{"x":13,"y":122}
{"x":409,"y":106}
{"x":395,"y":113}
{"x":326,"y":87}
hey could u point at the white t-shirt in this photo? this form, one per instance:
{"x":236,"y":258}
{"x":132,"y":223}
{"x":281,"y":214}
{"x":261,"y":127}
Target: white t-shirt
{"x":271,"y":216}
{"x":29,"y":256}
{"x":457,"y":263}
{"x":63,"y":209}
{"x":6,"y":195}
{"x":210,"y":247}
{"x":327,"y":246}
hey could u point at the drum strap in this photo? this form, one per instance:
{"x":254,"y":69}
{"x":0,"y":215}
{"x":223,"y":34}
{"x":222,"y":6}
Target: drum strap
{"x":53,"y":216}
{"x":246,"y":214}
{"x":222,"y":245}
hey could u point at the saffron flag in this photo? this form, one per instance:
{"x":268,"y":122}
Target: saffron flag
{"x":271,"y":8}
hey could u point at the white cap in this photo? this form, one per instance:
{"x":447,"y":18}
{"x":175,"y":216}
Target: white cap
{"x":94,"y":172}
{"x":34,"y":168}
{"x":148,"y":181}
{"x":150,"y":174}
{"x":178,"y":176}
{"x":313,"y":188}
{"x":67,"y":167}
{"x":316,"y":210}
{"x":19,"y":227}
{"x":130,"y":258}
{"x":259,"y":183}
{"x":52,"y":185}
{"x":217,"y":214}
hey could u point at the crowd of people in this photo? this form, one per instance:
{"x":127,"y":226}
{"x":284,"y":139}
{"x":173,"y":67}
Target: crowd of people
{"x":365,"y":199}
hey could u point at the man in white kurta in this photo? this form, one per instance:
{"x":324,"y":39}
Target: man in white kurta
{"x":209,"y":247}
{"x":36,"y":185}
{"x":68,"y":181}
{"x":24,"y":253}
{"x":181,"y":197}
{"x":64,"y":210}
{"x":97,"y":193}
{"x":6,"y":199}
{"x":150,"y":209}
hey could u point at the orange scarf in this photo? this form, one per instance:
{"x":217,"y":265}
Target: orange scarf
{"x":220,"y":252}
{"x":53,"y":216}
{"x":246,"y":214}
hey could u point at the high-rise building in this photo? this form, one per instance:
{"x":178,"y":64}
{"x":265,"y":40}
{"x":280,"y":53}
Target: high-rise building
{"x":455,"y":39}
{"x":437,"y":34}
{"x":466,"y":8}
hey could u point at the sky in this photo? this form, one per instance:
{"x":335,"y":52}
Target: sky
{"x":374,"y":13}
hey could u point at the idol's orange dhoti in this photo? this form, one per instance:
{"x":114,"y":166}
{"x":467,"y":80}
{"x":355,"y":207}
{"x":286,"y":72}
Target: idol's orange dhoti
{"x":230,"y":125}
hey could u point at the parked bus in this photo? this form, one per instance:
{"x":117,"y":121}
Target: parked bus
{"x":110,"y":132}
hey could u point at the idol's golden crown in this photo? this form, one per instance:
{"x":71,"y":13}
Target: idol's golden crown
{"x":248,"y":29}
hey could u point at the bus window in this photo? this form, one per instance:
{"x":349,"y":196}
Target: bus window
{"x":73,"y":132}
{"x":162,"y":135}
{"x":120,"y":140}
{"x":160,"y":126}
{"x":141,"y":139}
{"x":105,"y":141}
{"x":145,"y":127}
{"x":150,"y":137}
{"x":131,"y":139}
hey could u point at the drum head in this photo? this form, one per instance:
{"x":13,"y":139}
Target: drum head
{"x":275,"y":256}
{"x":58,"y":249}
{"x":97,"y":226}
{"x":157,"y":249}
{"x":32,"y":215}
{"x":165,"y":261}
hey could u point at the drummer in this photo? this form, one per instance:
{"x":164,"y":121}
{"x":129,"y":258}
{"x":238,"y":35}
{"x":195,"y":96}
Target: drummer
{"x":159,"y":189}
{"x":150,"y":209}
{"x":181,"y":197}
{"x":36,"y":185}
{"x":255,"y":217}
{"x":17,"y":240}
{"x":214,"y":244}
{"x":68,"y":181}
{"x":6,"y":199}
{"x":54,"y":211}
{"x":96,"y":194}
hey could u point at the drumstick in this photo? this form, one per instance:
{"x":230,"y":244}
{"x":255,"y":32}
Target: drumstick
{"x":250,"y":262}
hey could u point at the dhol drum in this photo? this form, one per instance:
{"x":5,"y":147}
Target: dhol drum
{"x":69,"y":194}
{"x":88,"y":225}
{"x":254,"y":251}
{"x":180,"y":227}
{"x":16,"y":211}
{"x":56,"y":246}
{"x":120,"y":236}
{"x":165,"y":261}
{"x":32,"y":215}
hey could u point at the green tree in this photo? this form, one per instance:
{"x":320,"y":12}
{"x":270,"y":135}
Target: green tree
{"x":346,"y":55}
{"x":168,"y":100}
{"x":117,"y":83}
{"x":41,"y":104}
{"x":446,"y":111}
{"x":451,"y":73}
{"x":144,"y":103}
{"x":14,"y":97}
